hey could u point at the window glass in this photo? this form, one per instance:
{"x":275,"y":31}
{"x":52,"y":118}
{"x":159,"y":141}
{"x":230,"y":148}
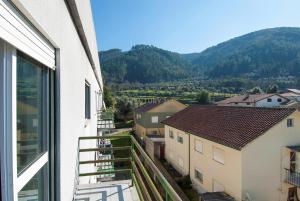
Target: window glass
{"x":219,"y":155}
{"x":290,"y":122}
{"x":154,"y":119}
{"x":171,"y":135}
{"x":36,"y":189}
{"x":198,"y":146}
{"x":87,"y":101}
{"x":269,"y":99}
{"x":179,"y":139}
{"x":31,"y":111}
{"x":199,"y":176}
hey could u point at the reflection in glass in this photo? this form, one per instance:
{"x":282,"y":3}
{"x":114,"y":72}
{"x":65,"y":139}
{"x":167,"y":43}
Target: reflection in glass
{"x":36,"y":188}
{"x":31,"y":111}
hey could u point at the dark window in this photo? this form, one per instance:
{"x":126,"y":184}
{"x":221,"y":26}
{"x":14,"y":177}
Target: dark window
{"x":87,"y":101}
{"x":248,"y":103}
{"x":290,"y":122}
{"x":269,"y":99}
{"x":279,"y":100}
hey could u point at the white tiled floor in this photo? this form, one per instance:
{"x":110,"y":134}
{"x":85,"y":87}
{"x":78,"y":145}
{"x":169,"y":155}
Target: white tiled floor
{"x":107,"y":191}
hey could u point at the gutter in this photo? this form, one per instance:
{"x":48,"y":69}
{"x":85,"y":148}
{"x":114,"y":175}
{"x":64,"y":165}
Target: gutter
{"x":72,"y":8}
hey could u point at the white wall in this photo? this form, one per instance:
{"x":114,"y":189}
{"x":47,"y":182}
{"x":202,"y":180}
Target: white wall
{"x":264,"y":160}
{"x":274,"y":103}
{"x":52,"y":18}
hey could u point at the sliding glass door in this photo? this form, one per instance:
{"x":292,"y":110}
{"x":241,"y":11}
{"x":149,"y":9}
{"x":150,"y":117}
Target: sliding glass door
{"x":26,"y":96}
{"x":32,"y":129}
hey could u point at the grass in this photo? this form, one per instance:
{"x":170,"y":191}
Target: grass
{"x":121,"y":142}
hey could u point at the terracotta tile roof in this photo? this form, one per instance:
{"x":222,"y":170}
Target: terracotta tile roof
{"x":234,"y":127}
{"x":251,"y":98}
{"x":146,"y":107}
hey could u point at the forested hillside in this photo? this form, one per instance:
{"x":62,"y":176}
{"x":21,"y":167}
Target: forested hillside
{"x":143,"y":64}
{"x":268,"y":53}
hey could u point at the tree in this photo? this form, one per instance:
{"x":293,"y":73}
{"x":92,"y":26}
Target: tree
{"x":255,"y":90}
{"x":272,"y":89}
{"x":109,"y":100}
{"x":203,"y":98}
{"x":125,"y":107}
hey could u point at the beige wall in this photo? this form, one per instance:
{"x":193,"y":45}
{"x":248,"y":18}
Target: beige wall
{"x":142,"y":131}
{"x":227,"y":174}
{"x":264,"y":160}
{"x":174,"y":151}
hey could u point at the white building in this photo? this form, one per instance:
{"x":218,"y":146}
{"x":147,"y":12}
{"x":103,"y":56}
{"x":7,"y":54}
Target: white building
{"x":292,"y":94}
{"x":255,"y":100}
{"x":51,"y":89}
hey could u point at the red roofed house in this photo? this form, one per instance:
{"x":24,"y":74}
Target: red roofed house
{"x":255,"y":100}
{"x":251,"y":153}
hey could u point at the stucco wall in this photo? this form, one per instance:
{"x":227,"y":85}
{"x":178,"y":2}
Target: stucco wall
{"x":264,"y":160}
{"x":274,"y":103}
{"x":228,"y":174}
{"x":142,"y":131}
{"x":52,"y":18}
{"x":175,"y":150}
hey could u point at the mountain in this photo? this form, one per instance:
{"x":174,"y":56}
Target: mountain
{"x":143,"y":64}
{"x":262,"y":54}
{"x":265,"y":53}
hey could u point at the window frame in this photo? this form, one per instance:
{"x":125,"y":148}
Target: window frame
{"x":87,"y":100}
{"x":195,"y":142}
{"x":290,"y":122}
{"x":179,"y":137}
{"x":279,"y":99}
{"x":171,"y":134}
{"x":213,"y":155}
{"x":154,"y":122}
{"x":201,"y":180}
{"x":12,"y":181}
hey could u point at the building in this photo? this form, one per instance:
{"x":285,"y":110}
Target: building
{"x":148,"y":117}
{"x":255,"y":100}
{"x":50,"y":102}
{"x":51,"y":91}
{"x":250,"y":153}
{"x":292,"y":94}
{"x":155,"y":146}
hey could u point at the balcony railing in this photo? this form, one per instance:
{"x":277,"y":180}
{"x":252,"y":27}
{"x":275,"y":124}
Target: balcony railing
{"x":148,"y":180}
{"x":292,"y":177}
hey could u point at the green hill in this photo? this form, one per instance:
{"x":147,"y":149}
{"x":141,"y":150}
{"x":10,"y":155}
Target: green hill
{"x":262,"y":54}
{"x":143,"y":64}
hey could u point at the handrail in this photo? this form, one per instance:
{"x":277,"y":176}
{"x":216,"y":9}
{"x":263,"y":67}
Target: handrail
{"x":161,"y":177}
{"x":137,"y":169}
{"x":292,"y":177}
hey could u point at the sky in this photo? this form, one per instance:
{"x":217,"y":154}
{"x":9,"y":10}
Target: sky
{"x":186,"y":26}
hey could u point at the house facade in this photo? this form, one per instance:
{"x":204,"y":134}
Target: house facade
{"x":149,"y":116}
{"x":292,"y":94}
{"x":231,"y":156}
{"x":255,"y":100}
{"x":51,"y":92}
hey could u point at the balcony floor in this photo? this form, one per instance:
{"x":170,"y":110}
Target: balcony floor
{"x":107,"y":191}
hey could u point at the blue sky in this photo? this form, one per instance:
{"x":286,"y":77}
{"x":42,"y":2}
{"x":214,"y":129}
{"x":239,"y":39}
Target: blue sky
{"x":186,"y":26}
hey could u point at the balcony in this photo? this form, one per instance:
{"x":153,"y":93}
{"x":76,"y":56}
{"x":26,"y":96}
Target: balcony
{"x":292,"y":177}
{"x":124,"y":172}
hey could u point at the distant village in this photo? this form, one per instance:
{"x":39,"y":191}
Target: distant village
{"x":243,"y":145}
